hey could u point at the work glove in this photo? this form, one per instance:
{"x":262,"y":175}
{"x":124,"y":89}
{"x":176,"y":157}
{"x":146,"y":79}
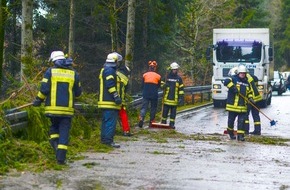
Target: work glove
{"x":181,"y":100}
{"x":37,"y":102}
{"x":117,"y":98}
{"x":251,"y":100}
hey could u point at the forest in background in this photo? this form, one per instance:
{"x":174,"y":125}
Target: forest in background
{"x":161,"y":30}
{"x":87,"y":30}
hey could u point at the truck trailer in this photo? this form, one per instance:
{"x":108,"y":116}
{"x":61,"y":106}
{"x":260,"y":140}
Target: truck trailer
{"x":234,"y":46}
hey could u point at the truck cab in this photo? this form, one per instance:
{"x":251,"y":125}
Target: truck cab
{"x":232,"y":47}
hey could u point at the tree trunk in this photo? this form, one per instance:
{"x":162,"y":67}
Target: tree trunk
{"x":71,"y":29}
{"x":113,"y":24}
{"x":130,"y":37}
{"x":26,"y":36}
{"x":130,"y":33}
{"x":3,"y":16}
{"x":14,"y":66}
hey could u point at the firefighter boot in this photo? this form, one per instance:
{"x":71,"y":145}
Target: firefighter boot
{"x":257,"y":131}
{"x":241,"y":137}
{"x":231,"y":134}
{"x":171,"y":125}
{"x":61,"y":155}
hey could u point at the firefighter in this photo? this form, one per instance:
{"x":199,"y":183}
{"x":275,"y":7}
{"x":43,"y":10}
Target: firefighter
{"x":58,"y":89}
{"x":239,"y":89}
{"x":173,"y":94}
{"x":123,"y":74}
{"x":150,"y":84}
{"x":252,"y":107}
{"x":253,"y":80}
{"x":109,"y":100}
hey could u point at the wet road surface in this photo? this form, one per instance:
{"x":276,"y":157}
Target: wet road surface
{"x":180,"y":164}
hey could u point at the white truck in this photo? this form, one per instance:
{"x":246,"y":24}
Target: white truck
{"x":248,"y":46}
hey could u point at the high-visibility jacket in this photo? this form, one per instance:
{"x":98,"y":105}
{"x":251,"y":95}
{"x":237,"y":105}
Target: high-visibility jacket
{"x":150,"y":84}
{"x":108,"y":86}
{"x":59,"y":87}
{"x":253,"y":81}
{"x":122,"y":85}
{"x":235,"y":102}
{"x":174,"y":88}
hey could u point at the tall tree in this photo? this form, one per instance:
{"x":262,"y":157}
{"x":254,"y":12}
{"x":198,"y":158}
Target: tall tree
{"x":26,"y":35}
{"x":3,"y":16}
{"x":130,"y":35}
{"x":250,"y":14}
{"x":194,"y":34}
{"x":71,"y":29}
{"x":282,"y":37}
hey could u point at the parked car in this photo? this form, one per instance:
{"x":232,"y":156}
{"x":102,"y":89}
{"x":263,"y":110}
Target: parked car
{"x":278,"y":83}
{"x":286,"y":76}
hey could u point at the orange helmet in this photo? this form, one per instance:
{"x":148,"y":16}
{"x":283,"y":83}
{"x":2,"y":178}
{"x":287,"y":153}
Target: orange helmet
{"x":152,"y":63}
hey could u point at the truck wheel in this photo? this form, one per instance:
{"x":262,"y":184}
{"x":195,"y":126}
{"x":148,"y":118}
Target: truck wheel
{"x":219,"y":103}
{"x":263,"y":103}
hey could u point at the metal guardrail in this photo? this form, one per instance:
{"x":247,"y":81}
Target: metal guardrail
{"x":18,"y":120}
{"x":187,"y":91}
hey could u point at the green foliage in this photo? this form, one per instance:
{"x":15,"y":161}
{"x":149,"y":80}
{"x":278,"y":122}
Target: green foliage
{"x":249,"y":14}
{"x":38,"y":125}
{"x":268,"y":140}
{"x":20,"y":154}
{"x":81,"y":127}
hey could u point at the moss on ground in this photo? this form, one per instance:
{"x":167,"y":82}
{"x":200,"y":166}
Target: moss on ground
{"x":30,"y":150}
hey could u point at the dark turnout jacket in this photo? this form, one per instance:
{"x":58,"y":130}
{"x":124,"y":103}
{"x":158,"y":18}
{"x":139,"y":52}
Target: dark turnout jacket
{"x":150,"y":84}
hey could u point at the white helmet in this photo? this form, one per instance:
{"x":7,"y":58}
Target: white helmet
{"x":242,"y":69}
{"x":56,"y":55}
{"x":112,"y":58}
{"x":174,"y":65}
{"x":233,"y":71}
{"x":120,"y":58}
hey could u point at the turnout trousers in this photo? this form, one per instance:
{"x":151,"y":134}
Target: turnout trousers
{"x":172,"y":116}
{"x":241,"y":121}
{"x":59,"y":136}
{"x":256,"y":118}
{"x":108,"y":128}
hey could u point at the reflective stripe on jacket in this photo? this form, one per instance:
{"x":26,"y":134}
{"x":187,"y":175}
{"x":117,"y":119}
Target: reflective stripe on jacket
{"x":235,"y":102}
{"x":59,"y":87}
{"x":108,"y":86}
{"x":253,"y":80}
{"x":122,"y":83}
{"x":174,"y":88}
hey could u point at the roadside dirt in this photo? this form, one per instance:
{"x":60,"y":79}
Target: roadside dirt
{"x":176,"y":164}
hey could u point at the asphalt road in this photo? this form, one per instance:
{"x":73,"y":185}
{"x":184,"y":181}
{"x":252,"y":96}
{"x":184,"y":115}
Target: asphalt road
{"x":179,"y":164}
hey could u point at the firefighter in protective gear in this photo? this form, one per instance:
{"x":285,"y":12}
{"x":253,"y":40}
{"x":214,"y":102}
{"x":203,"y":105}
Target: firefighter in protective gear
{"x":58,"y":89}
{"x":109,"y":99}
{"x":236,"y":105}
{"x":123,"y":74}
{"x":150,"y":84}
{"x":233,"y":71}
{"x":173,"y":94}
{"x":253,"y":81}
